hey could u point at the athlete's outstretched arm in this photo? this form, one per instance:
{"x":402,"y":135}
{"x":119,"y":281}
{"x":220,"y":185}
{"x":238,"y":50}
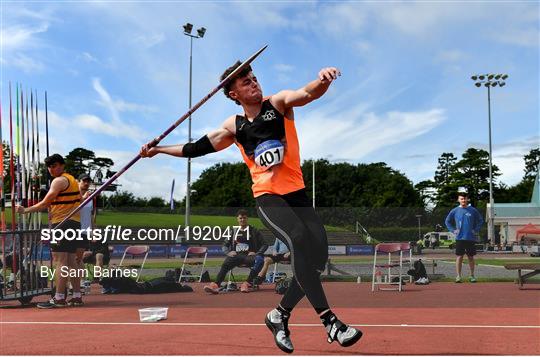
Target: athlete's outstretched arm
{"x":58,"y":184}
{"x":214,"y":141}
{"x":311,"y":91}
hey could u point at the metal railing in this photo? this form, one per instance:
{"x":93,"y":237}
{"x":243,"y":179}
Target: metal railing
{"x":23,"y":254}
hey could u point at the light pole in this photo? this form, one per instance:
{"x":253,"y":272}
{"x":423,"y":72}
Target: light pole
{"x":419,"y":216}
{"x":200,"y":34}
{"x":313,"y":183}
{"x":490,"y":80}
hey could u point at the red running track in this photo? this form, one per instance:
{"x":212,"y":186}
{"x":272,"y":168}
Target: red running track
{"x":442,"y":318}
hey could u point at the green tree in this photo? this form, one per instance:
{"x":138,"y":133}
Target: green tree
{"x":522,"y":191}
{"x":140,"y":202}
{"x":362,"y":185}
{"x":532,"y":162}
{"x":223,"y":185}
{"x":122,"y":199}
{"x":443,"y":176}
{"x":100,"y":162}
{"x":337,"y":185}
{"x":427,"y":191}
{"x":78,"y":161}
{"x":156,"y":202}
{"x":445,"y":169}
{"x":6,"y":173}
{"x":472,"y":172}
{"x":81,"y":160}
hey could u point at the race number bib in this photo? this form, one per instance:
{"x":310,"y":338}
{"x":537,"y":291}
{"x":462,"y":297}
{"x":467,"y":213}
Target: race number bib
{"x":242,"y":247}
{"x":269,"y":153}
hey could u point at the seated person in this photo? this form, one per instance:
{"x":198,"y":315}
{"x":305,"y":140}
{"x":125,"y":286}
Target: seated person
{"x":245,"y":248}
{"x":98,"y":255}
{"x":280,"y":254}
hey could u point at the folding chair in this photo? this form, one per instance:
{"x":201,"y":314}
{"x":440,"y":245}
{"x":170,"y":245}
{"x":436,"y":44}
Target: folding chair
{"x":232,"y":280}
{"x":407,"y":252}
{"x":191,"y":253}
{"x":136,"y":250}
{"x":275,"y":268}
{"x":390,"y":266}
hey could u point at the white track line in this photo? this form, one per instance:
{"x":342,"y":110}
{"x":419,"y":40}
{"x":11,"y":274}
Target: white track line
{"x":218,"y":324}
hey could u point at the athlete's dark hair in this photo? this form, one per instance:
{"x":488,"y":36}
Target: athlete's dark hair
{"x":464,"y":194}
{"x":242,"y":73}
{"x":54,"y":158}
{"x":242,"y":212}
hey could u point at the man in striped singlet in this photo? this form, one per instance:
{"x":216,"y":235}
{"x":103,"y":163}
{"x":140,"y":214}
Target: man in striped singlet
{"x":63,"y":196}
{"x":266,"y":136}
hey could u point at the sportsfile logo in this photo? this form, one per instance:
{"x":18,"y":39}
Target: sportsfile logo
{"x":113,"y":233}
{"x":110,"y":233}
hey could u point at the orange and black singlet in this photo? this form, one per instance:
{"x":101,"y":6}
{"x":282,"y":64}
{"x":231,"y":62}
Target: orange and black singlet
{"x":269,"y":147}
{"x":66,"y":201}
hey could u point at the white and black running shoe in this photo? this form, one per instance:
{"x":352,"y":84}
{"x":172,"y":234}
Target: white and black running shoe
{"x":345,"y":335}
{"x":52,"y":303}
{"x":277,"y":322}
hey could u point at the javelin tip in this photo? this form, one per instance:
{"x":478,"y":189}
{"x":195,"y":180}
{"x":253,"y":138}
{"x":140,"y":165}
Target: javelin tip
{"x":255,"y":55}
{"x":262,"y":49}
{"x":241,"y":67}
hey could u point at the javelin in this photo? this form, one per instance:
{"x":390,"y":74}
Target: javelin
{"x":165,"y":133}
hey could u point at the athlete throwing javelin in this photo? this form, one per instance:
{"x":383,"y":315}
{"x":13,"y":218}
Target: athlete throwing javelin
{"x":266,"y":137}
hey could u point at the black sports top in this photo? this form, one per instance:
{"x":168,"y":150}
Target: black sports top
{"x":267,"y":125}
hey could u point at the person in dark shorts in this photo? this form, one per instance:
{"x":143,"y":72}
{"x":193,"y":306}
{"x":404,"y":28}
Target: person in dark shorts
{"x":63,"y":196}
{"x":246,"y":248}
{"x":265,"y":133}
{"x":97,"y":252}
{"x":465,"y":222}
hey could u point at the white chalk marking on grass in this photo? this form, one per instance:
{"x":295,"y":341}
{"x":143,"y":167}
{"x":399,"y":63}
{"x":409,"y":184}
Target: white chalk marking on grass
{"x":218,"y":324}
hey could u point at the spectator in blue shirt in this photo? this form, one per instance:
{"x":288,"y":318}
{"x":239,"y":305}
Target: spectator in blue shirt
{"x":280,"y":254}
{"x":465,"y":222}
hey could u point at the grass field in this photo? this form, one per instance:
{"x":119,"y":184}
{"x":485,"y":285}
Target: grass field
{"x":346,"y":260}
{"x":351,"y":260}
{"x":154,"y":220}
{"x":501,"y":261}
{"x":216,"y":262}
{"x":163,"y":220}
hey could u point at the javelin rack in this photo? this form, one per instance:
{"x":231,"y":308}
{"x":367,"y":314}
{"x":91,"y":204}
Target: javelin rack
{"x":22,"y":257}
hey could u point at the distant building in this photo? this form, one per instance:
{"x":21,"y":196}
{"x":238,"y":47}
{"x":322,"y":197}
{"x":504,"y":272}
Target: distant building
{"x":512,"y":217}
